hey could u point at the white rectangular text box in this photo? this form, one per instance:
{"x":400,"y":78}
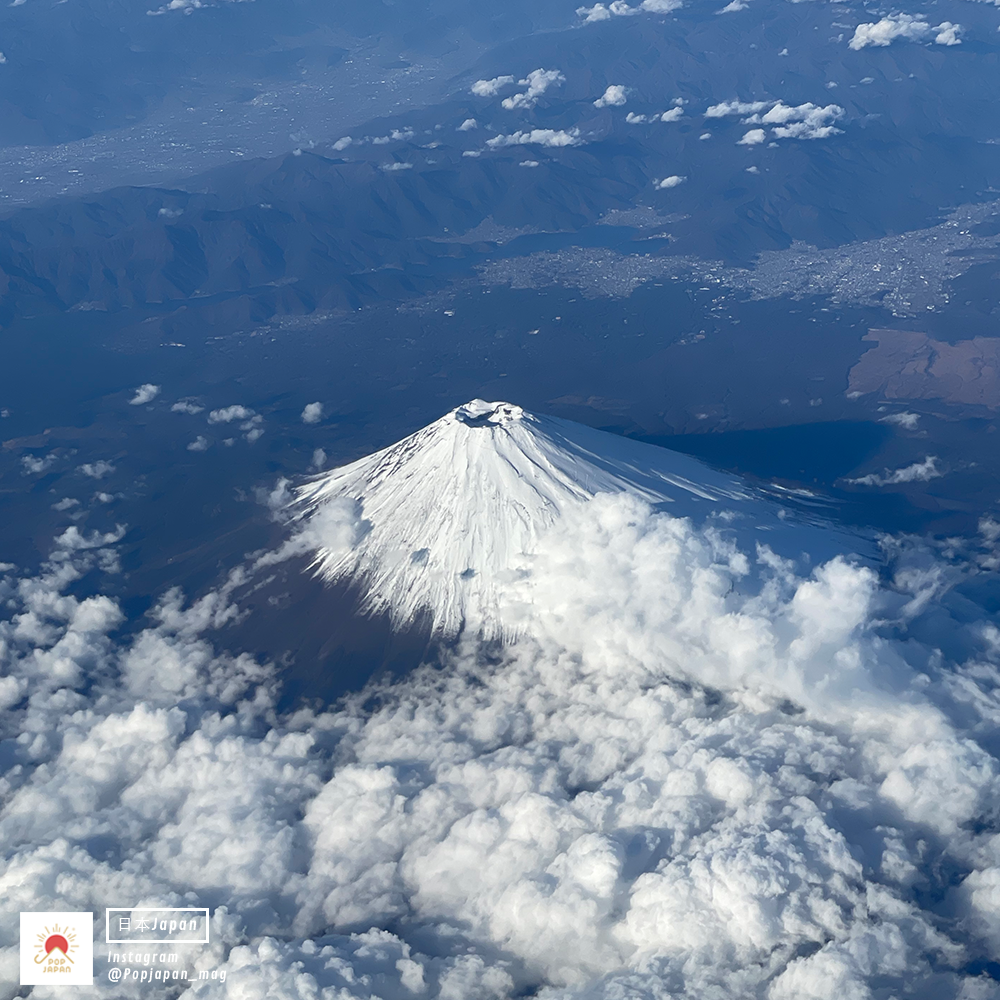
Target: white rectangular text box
{"x":200,"y":911}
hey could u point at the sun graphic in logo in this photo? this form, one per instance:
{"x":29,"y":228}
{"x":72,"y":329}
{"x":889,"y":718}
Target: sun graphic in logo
{"x":55,"y":942}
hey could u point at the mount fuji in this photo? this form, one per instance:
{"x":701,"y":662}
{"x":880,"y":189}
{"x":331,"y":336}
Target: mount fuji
{"x":443,"y":521}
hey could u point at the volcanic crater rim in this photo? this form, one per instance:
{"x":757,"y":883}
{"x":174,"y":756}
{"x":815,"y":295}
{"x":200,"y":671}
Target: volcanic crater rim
{"x":479,"y":413}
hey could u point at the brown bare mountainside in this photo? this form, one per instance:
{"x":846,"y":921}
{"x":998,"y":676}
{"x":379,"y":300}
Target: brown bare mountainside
{"x":909,"y":365}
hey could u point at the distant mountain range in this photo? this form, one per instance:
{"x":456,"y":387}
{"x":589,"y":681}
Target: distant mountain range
{"x":334,"y":228}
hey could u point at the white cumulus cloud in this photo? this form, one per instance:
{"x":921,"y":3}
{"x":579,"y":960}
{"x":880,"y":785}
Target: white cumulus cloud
{"x":537,"y":82}
{"x":619,"y":8}
{"x":538,"y":136}
{"x":908,"y":421}
{"x":312,"y":413}
{"x":906,"y":26}
{"x":250,"y":422}
{"x":753,"y":138}
{"x":490,"y":88}
{"x":145,"y":394}
{"x":947,"y":33}
{"x":806,"y":121}
{"x":670,"y":182}
{"x":726,"y":108}
{"x":97,"y":470}
{"x":613,"y":97}
{"x":186,"y":406}
{"x":918,"y":472}
{"x":35,"y":465}
{"x":227,"y":414}
{"x":803,"y":121}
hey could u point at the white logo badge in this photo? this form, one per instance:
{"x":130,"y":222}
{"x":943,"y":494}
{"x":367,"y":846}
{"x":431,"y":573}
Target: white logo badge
{"x":57,"y":949}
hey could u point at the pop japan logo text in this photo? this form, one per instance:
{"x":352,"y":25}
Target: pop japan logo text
{"x":57,"y":949}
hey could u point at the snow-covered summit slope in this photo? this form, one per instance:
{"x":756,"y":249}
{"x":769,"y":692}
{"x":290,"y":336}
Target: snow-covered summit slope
{"x":444,"y":519}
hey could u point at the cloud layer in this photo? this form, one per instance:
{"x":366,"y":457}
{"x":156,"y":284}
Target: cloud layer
{"x":663,"y":789}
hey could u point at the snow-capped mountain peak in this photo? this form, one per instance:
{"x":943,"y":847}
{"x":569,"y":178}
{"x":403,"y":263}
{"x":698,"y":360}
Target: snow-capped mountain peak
{"x":444,"y":517}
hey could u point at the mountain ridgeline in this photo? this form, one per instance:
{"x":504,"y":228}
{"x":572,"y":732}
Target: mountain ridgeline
{"x":301,"y":232}
{"x":396,"y":214}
